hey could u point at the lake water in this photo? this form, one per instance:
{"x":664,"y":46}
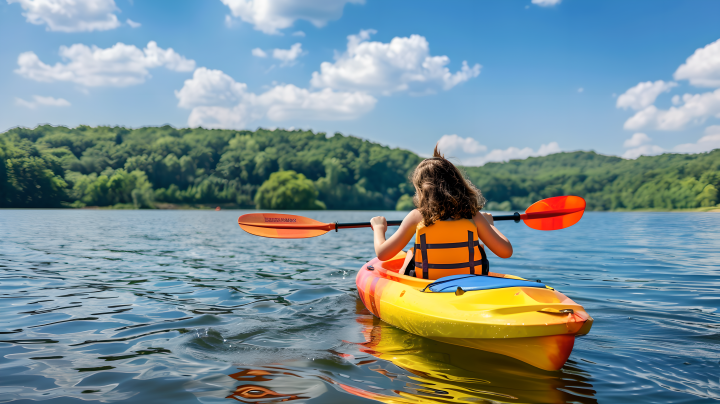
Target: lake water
{"x":185,"y":307}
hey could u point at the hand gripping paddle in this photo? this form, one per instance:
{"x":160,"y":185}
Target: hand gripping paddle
{"x":548,"y":214}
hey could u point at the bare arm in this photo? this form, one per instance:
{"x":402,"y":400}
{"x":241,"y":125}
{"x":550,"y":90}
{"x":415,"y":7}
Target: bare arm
{"x":386,"y":249}
{"x":491,"y":236}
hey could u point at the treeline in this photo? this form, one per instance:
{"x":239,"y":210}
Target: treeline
{"x":162,"y":166}
{"x":669,"y":181}
{"x":55,"y":166}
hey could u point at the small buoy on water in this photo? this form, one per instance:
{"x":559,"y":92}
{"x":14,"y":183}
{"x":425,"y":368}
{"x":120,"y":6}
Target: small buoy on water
{"x":217,"y":208}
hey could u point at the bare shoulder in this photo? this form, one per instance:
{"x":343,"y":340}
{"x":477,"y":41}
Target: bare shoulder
{"x":480,"y":219}
{"x":478,"y":216}
{"x":414,"y":217}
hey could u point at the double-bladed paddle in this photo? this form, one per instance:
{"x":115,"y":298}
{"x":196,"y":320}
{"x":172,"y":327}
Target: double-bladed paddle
{"x":548,"y":214}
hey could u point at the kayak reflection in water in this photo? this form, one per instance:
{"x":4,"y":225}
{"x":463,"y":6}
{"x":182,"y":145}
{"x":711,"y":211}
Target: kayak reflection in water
{"x":389,"y":365}
{"x":447,"y":373}
{"x":256,"y":393}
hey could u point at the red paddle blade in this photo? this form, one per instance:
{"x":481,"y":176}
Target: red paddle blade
{"x":554,"y":213}
{"x":277,"y":225}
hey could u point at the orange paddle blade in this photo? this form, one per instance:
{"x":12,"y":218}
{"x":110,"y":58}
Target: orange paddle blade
{"x":277,"y":225}
{"x":554,"y":213}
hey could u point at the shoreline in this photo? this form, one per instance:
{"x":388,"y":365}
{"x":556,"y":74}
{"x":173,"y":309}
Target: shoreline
{"x":171,"y":206}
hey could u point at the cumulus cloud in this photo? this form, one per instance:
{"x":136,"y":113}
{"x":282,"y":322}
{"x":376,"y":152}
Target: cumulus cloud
{"x":710,"y":141}
{"x":403,"y":64}
{"x":71,"y":15}
{"x":40,"y":100}
{"x":638,"y":146}
{"x":298,"y":33}
{"x":636,"y":140}
{"x":546,"y":3}
{"x":450,"y":144}
{"x":216,"y":100}
{"x":119,"y":66}
{"x":288,"y":56}
{"x":643,"y":95}
{"x":259,"y":53}
{"x":470,"y":152}
{"x":695,"y":108}
{"x":644,"y":150}
{"x":210,"y":88}
{"x":133,"y":24}
{"x":702,"y":68}
{"x":270,"y":16}
{"x":514,"y":153}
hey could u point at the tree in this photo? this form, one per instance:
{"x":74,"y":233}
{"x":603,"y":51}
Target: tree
{"x":287,"y":190}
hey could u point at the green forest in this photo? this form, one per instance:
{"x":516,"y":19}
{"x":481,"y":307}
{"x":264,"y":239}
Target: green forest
{"x":165,"y":167}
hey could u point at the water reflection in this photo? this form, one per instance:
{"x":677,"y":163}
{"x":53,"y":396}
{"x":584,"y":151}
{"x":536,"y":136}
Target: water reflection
{"x":410,"y":369}
{"x":441,"y":372}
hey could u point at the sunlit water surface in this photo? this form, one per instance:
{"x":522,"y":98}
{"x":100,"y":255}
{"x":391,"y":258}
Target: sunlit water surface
{"x":183,"y":306}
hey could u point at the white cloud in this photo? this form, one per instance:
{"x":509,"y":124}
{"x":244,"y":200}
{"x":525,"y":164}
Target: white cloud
{"x":298,"y":33}
{"x":546,"y":3}
{"x":133,"y":24}
{"x":269,"y":16}
{"x":453,"y":143}
{"x":40,"y":100}
{"x":638,"y":146}
{"x":643,"y":95}
{"x":71,"y":15}
{"x":470,"y":152}
{"x":120,"y":65}
{"x":696,"y":108}
{"x":514,"y":153}
{"x":710,"y":141}
{"x":636,"y":140}
{"x":217,"y":101}
{"x":644,"y":150}
{"x":210,"y":87}
{"x":288,"y":56}
{"x":259,"y":53}
{"x":403,"y":64}
{"x":702,"y":68}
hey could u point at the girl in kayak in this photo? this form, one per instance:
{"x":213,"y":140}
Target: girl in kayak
{"x":448,"y":226}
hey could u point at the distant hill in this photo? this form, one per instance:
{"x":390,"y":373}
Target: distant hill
{"x":55,"y":166}
{"x":669,"y":181}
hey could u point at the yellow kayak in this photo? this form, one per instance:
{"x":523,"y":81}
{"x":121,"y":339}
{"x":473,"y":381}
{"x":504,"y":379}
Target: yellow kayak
{"x":499,"y":313}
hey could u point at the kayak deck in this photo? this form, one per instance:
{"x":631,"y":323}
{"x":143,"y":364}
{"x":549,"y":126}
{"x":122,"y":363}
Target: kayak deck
{"x":532,"y":324}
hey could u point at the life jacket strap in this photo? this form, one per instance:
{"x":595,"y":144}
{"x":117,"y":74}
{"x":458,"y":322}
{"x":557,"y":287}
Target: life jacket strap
{"x":451,"y":266}
{"x":470,"y":244}
{"x":471,"y":252}
{"x":475,"y":243}
{"x":423,"y":250}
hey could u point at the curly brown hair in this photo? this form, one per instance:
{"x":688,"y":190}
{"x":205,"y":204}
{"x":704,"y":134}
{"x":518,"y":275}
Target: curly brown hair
{"x":442,"y":192}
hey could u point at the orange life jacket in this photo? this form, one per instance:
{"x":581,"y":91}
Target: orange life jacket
{"x":449,"y":247}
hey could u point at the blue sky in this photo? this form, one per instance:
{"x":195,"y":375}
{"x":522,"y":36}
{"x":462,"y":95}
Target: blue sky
{"x":490,"y":80}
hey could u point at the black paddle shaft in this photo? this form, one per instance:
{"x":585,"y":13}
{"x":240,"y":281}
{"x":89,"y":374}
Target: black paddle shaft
{"x":364,"y":224}
{"x":515,"y":217}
